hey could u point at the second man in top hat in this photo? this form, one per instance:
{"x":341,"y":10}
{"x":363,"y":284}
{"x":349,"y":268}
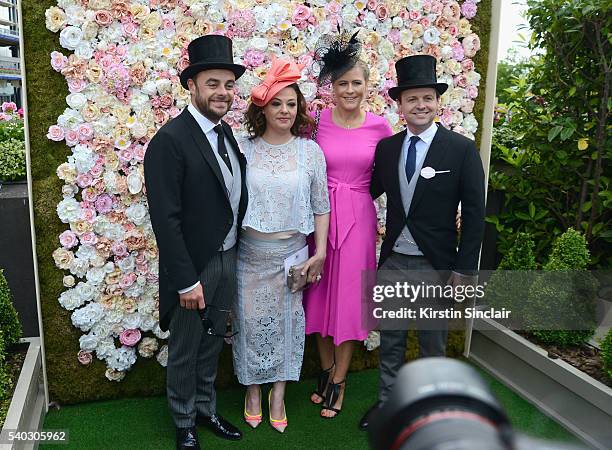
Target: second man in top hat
{"x":421,"y":234}
{"x":195,"y":178}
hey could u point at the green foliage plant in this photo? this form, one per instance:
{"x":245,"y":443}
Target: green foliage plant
{"x":12,"y":160}
{"x":564,"y":294}
{"x":551,"y":146}
{"x":509,"y":284}
{"x":606,"y":354}
{"x":9,"y":322}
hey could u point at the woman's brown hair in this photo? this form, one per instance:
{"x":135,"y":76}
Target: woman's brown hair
{"x":256,"y":121}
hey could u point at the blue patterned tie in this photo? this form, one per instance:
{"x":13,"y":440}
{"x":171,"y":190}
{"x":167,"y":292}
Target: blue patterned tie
{"x":411,"y":158}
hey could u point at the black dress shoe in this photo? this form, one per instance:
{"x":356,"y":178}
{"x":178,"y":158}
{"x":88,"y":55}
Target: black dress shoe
{"x":220,"y":427}
{"x":364,"y":423}
{"x":187,"y":439}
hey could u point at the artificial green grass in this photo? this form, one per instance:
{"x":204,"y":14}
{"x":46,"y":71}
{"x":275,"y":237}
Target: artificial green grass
{"x":145,"y":423}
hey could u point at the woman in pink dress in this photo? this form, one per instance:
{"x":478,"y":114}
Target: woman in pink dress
{"x":348,"y":136}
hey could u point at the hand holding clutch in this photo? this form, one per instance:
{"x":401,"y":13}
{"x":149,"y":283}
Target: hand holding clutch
{"x":295,"y":280}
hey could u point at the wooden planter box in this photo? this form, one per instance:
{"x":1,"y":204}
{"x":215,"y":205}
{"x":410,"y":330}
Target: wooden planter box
{"x":580,"y":403}
{"x":27,"y":408}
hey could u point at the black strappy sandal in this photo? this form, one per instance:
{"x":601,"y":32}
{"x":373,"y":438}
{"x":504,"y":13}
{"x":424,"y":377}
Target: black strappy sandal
{"x":322,"y":384}
{"x":331,"y":396}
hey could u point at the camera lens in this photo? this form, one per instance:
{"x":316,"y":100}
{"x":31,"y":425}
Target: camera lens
{"x":440,"y":404}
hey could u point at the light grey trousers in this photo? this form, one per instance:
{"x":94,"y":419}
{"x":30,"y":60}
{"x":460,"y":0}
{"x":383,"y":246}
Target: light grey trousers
{"x":432,"y":336}
{"x":193,"y":355}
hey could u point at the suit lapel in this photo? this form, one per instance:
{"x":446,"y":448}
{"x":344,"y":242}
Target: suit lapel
{"x":436,"y":151}
{"x":394,"y":154}
{"x":202,"y":144}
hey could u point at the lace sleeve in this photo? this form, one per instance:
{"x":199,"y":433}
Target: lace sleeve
{"x":319,"y":197}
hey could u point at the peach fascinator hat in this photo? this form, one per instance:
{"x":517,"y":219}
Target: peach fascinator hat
{"x":283,"y":73}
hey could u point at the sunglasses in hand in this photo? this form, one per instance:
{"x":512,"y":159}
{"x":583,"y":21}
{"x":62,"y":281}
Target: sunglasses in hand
{"x":208,"y":324}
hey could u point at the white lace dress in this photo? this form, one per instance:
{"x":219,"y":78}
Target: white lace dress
{"x":287,"y":186}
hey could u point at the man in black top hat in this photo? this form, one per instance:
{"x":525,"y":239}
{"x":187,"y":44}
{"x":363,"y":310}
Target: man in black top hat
{"x":426,"y":171}
{"x":195,"y":180}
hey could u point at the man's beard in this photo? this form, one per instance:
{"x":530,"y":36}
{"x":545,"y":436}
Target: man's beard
{"x":202,"y":106}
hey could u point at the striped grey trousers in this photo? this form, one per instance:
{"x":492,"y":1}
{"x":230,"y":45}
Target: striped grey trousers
{"x":193,"y":355}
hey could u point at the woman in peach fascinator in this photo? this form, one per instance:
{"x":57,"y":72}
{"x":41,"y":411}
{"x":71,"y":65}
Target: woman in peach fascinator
{"x":288,"y":199}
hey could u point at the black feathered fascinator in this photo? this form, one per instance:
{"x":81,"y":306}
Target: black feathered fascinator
{"x":336,"y":54}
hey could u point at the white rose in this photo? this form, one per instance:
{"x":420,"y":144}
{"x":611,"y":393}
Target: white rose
{"x":139,"y":130}
{"x":83,"y":50}
{"x":406,"y":37}
{"x":473,"y":78}
{"x":164,"y":86}
{"x":131,"y":321}
{"x":85,"y":317}
{"x":385,"y":49}
{"x":86,"y":252}
{"x":446,"y":52}
{"x":162,"y":356}
{"x":398,"y":22}
{"x":84,"y":158}
{"x":149,"y":87}
{"x":69,"y":190}
{"x":95,"y":275}
{"x":78,"y":267}
{"x":68,"y":210}
{"x":114,"y":316}
{"x":70,"y":37}
{"x":121,"y":359}
{"x":159,"y":333}
{"x":114,"y":375}
{"x":70,"y":119}
{"x":76,"y":101}
{"x":75,"y":15}
{"x":116,"y":232}
{"x":134,"y":183}
{"x":69,"y":300}
{"x":127,"y":264}
{"x":431,"y":36}
{"x":68,"y":281}
{"x":309,"y":90}
{"x":393,"y":118}
{"x":103,"y":329}
{"x":86,"y":291}
{"x":148,"y":323}
{"x":147,"y":347}
{"x":105,"y":347}
{"x":415,"y":5}
{"x":370,"y":20}
{"x":88,"y":342}
{"x":470,"y":123}
{"x":215,"y":15}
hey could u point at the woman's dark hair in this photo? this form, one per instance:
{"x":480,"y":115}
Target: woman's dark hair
{"x":256,"y":121}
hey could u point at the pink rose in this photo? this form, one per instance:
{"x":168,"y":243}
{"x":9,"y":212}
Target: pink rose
{"x":103,"y":18}
{"x":89,"y":238}
{"x":414,"y":15}
{"x":130,"y":337}
{"x":139,"y":152}
{"x":382,"y":12}
{"x":471,"y":91}
{"x":76,"y":85}
{"x":55,"y":133}
{"x":58,"y":61}
{"x":371,"y":5}
{"x":167,"y":24}
{"x":425,"y":22}
{"x":436,"y":8}
{"x":301,"y":14}
{"x":119,"y":249}
{"x":127,"y":280}
{"x":89,"y":195}
{"x":84,"y":180}
{"x":160,"y":116}
{"x":467,"y":106}
{"x":453,"y":30}
{"x":97,"y":169}
{"x":467,"y":65}
{"x":332,"y":8}
{"x":104,"y":204}
{"x":72,"y":138}
{"x":84,"y":357}
{"x":85,"y":131}
{"x":460,"y":81}
{"x":68,"y":239}
{"x":174,"y":111}
{"x":182,"y":64}
{"x":130,"y":29}
{"x":125,"y":155}
{"x":469,"y":9}
{"x":88,"y":214}
{"x":166,"y":101}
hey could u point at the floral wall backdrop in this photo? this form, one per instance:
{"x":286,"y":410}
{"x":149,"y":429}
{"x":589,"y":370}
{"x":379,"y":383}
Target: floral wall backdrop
{"x":118,"y":63}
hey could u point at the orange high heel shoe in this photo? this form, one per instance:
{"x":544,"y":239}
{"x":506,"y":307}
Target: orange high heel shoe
{"x":278,"y":425}
{"x":252,"y":419}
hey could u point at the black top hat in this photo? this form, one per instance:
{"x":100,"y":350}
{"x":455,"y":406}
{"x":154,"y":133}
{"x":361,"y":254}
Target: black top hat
{"x":210,"y":52}
{"x":415,"y":72}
